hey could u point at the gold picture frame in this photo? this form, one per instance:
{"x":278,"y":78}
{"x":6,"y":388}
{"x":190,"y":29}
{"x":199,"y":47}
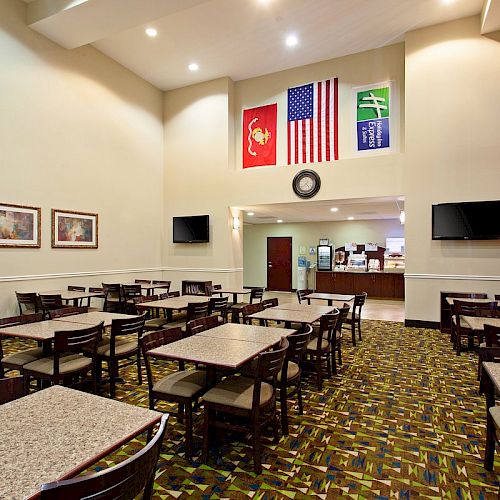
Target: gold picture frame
{"x":20,"y":226}
{"x":71,"y":229}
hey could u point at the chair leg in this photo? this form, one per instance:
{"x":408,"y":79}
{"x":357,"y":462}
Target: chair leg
{"x":112,"y":379}
{"x":139,"y":371}
{"x":334,"y":363}
{"x":206,"y":434}
{"x":359,"y":328}
{"x":257,"y":465}
{"x":26,"y":382}
{"x":458,"y":341}
{"x":339,"y":351}
{"x":318,"y":374}
{"x":489,"y":451}
{"x":189,"y":431}
{"x":284,"y":411}
{"x":353,"y":333}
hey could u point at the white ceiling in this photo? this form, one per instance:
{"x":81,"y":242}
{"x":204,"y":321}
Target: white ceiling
{"x":236,"y":38}
{"x":319,"y":211}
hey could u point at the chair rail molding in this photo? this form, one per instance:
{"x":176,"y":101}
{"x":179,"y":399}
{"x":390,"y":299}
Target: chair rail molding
{"x":455,"y":277}
{"x":75,"y":274}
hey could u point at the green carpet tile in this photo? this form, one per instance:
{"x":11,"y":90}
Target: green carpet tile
{"x":402,"y":419}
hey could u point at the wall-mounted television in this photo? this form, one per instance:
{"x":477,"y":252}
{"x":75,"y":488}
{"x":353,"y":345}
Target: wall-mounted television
{"x":472,"y":220}
{"x":191,"y":229}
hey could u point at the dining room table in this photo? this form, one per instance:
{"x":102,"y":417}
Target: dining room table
{"x":73,"y":295}
{"x":234,"y":292}
{"x":490,"y":377}
{"x":288,"y":316}
{"x":94,"y":318}
{"x":173,"y":304}
{"x":329,"y":297}
{"x":58,"y":432}
{"x":477,"y":322}
{"x":225,"y":347}
{"x":294,"y":306}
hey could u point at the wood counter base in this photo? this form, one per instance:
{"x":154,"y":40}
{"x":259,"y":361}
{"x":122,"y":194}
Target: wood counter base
{"x":377,"y":285}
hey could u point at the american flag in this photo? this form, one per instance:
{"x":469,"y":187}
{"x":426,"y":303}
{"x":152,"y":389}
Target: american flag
{"x":313,"y":122}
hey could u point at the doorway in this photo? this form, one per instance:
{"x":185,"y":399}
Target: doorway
{"x":279,"y":263}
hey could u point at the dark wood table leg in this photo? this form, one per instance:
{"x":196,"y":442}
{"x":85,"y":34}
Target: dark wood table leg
{"x":330,"y":302}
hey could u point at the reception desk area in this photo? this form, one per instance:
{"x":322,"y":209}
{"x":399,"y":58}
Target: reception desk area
{"x":386,"y":285}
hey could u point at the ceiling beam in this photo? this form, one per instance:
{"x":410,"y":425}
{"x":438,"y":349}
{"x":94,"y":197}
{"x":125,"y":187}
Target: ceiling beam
{"x":73,"y":23}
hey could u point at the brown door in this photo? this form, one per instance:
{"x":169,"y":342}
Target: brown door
{"x":279,"y":264}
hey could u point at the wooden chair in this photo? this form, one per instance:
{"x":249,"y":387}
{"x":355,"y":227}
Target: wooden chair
{"x":464,"y":308}
{"x":491,"y":339}
{"x":17,"y":360}
{"x":67,"y":311}
{"x":497,"y":297}
{"x":50,"y":302}
{"x":194,"y":310}
{"x":94,"y":289}
{"x":337,"y":337}
{"x":113,"y":297}
{"x":130,"y":293}
{"x":250,"y":309}
{"x":123,"y":481}
{"x":153,"y":319}
{"x":200,"y":325}
{"x":123,"y":344}
{"x":302,"y":295}
{"x":250,"y":399}
{"x":174,"y":294}
{"x":273,"y":302}
{"x":289,"y":378}
{"x":218,"y":306}
{"x":217,"y":287}
{"x":463,"y":297}
{"x":11,"y":388}
{"x":319,"y":348}
{"x":355,"y":319}
{"x":256,"y":295}
{"x":74,"y":354}
{"x":28,"y":303}
{"x":183,"y":387}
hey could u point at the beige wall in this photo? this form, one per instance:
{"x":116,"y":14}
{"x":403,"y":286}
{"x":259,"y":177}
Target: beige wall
{"x":77,"y":132}
{"x":307,"y":234}
{"x":452,"y":154}
{"x":203,"y":157}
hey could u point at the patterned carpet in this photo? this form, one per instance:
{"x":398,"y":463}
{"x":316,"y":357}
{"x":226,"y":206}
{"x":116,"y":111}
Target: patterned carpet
{"x":403,"y":419}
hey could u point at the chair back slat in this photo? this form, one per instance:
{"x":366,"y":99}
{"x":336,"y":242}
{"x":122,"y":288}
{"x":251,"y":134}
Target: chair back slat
{"x":144,"y":282}
{"x":73,"y":288}
{"x":51,"y":301}
{"x":201,"y":324}
{"x":465,"y":308}
{"x":21,"y":320}
{"x":302,"y":295}
{"x":78,"y":340}
{"x":123,"y":481}
{"x":128,"y":326}
{"x":131,"y":291}
{"x":174,"y":294}
{"x":250,"y":309}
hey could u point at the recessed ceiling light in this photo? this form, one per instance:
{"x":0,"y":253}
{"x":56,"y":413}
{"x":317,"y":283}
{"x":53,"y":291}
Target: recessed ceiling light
{"x":350,"y":218}
{"x":334,"y":209}
{"x":264,"y":2}
{"x":279,"y":221}
{"x":250,"y":214}
{"x":448,"y":2}
{"x":151,"y":32}
{"x":193,"y":67}
{"x":291,"y":40}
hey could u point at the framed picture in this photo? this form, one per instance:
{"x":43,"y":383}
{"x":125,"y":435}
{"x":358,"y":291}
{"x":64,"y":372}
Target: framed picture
{"x":74,"y":229}
{"x":324,"y":241}
{"x":19,"y":226}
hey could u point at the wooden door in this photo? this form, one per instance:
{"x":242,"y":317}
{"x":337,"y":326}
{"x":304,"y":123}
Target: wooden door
{"x":279,"y":264}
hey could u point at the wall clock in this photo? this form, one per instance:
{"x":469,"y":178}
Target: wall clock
{"x":306,"y":183}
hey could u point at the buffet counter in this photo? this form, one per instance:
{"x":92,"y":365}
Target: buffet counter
{"x":380,"y":284}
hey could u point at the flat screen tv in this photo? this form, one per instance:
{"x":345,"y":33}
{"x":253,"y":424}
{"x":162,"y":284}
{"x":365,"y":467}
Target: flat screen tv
{"x":475,"y":220}
{"x":192,"y":229}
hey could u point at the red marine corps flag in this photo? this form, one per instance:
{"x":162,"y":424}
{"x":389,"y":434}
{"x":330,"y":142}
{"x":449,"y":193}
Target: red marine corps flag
{"x":259,"y":136}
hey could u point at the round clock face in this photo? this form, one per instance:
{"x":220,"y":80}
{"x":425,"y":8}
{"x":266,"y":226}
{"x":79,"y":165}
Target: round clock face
{"x":306,"y":183}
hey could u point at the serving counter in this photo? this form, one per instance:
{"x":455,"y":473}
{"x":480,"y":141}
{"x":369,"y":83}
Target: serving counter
{"x":386,"y":285}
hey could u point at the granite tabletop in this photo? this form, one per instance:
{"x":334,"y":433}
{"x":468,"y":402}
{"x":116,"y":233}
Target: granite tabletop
{"x":242,"y":291}
{"x":493,"y":370}
{"x":248,"y":333}
{"x":41,"y":330}
{"x":287,"y":315}
{"x":72,"y":295}
{"x":57,"y":432}
{"x":330,"y":296}
{"x":213,"y":351}
{"x":477,"y":323}
{"x":293,"y":306}
{"x":175,"y":303}
{"x":94,"y":318}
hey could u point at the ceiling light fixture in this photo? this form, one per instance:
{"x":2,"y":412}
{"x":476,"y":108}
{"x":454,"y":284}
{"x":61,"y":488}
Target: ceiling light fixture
{"x":334,"y":209}
{"x":250,"y":214}
{"x":279,"y":221}
{"x":350,"y":218}
{"x":236,"y":223}
{"x":291,"y":40}
{"x":151,"y":32}
{"x":193,"y":67}
{"x":402,"y":215}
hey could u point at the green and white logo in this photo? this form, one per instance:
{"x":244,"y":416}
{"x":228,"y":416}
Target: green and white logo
{"x":373,"y":104}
